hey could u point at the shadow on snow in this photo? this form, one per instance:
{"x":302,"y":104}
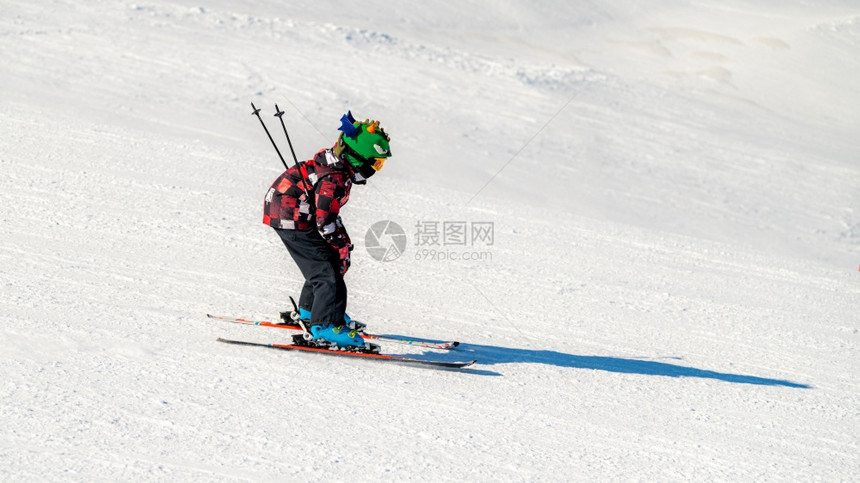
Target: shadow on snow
{"x":490,"y":355}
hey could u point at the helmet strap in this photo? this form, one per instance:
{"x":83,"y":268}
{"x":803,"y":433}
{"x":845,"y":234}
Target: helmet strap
{"x":347,"y":150}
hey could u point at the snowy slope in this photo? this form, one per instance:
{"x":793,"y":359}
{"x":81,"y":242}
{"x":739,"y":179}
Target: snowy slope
{"x":670,"y":293}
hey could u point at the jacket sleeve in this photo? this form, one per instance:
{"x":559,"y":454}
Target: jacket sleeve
{"x":331,"y":194}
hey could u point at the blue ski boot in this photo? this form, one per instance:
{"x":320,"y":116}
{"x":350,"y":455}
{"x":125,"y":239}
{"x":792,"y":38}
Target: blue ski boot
{"x":305,"y":316}
{"x":340,"y":336}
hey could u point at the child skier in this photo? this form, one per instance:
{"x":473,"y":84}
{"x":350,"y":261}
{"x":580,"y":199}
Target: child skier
{"x":303,"y":206}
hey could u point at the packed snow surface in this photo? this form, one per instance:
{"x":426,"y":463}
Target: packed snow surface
{"x":641,"y":218}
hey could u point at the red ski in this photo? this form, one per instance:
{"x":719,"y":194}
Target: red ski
{"x":283,"y":325}
{"x":371,"y":355}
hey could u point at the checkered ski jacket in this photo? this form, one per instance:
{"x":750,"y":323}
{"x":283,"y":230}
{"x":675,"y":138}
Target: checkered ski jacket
{"x":329,"y":181}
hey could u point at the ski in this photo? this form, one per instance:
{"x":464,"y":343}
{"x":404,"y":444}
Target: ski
{"x":284,"y":325}
{"x":370,"y":355}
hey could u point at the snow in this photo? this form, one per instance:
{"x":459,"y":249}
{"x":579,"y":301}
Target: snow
{"x":670,"y":294}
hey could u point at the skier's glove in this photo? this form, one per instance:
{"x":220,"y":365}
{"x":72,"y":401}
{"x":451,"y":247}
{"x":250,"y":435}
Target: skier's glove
{"x":343,"y":252}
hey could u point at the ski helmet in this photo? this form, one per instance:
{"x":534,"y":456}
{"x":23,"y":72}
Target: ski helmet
{"x":364,"y":145}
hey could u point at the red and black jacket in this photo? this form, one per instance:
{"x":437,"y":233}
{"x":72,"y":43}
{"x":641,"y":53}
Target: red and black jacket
{"x":328,"y":182}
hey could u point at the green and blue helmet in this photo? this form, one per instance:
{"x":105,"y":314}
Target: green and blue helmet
{"x":364,"y":145}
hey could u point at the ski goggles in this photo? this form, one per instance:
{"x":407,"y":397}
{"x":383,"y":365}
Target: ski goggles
{"x":377,"y":163}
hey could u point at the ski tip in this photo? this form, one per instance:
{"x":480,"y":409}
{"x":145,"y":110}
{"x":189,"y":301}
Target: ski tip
{"x":459,"y":365}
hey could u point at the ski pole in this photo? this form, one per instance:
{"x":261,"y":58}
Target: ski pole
{"x":257,"y":113}
{"x":280,"y":115}
{"x":301,"y":167}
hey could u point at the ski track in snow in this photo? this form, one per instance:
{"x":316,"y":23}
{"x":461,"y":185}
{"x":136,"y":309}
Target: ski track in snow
{"x":672,"y":287}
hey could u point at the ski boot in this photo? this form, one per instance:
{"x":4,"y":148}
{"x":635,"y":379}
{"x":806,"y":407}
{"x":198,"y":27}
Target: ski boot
{"x":333,"y":337}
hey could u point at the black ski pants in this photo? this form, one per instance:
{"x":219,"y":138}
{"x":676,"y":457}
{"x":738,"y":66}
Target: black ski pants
{"x":324,"y":291}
